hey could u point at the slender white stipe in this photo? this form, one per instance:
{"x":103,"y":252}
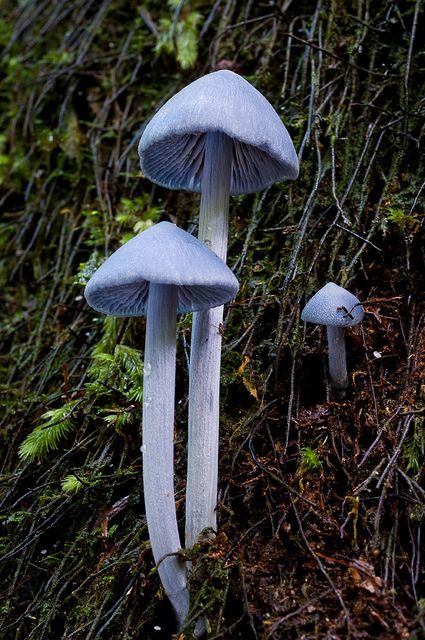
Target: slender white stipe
{"x":158,"y":443}
{"x":205,"y":353}
{"x":337,"y":359}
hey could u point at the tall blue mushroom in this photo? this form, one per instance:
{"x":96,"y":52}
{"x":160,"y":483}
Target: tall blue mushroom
{"x":159,"y":273}
{"x":336,"y":308}
{"x":218,"y":136}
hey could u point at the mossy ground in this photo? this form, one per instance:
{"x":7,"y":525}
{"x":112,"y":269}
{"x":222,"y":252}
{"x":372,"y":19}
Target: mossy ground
{"x":321,"y":504}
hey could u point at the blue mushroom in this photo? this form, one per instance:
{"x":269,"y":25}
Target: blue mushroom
{"x":336,"y":308}
{"x":159,"y":273}
{"x":221,"y":137}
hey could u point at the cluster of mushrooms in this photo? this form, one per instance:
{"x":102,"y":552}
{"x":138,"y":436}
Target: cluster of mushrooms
{"x":218,"y":136}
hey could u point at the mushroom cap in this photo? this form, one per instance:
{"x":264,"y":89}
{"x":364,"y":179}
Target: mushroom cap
{"x":163,"y":254}
{"x":333,"y":305}
{"x":172,"y":145}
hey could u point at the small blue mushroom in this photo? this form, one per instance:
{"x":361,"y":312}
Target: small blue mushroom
{"x":336,"y":308}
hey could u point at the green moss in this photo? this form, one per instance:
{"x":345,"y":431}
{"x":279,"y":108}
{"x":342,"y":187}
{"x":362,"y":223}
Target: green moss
{"x":56,"y":425}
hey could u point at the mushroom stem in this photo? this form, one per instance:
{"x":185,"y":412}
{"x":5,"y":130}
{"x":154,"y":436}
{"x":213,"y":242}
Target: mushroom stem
{"x":215,"y":192}
{"x":158,"y":449}
{"x":204,"y":392}
{"x":337,"y":358}
{"x":204,"y":378}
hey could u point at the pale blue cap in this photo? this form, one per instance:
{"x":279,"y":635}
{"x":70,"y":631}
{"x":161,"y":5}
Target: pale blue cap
{"x":163,"y":254}
{"x":333,"y":305}
{"x":172,"y":146}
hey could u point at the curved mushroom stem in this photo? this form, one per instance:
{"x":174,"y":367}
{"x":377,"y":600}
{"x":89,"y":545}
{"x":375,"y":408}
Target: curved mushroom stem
{"x":158,"y":447}
{"x":204,"y":378}
{"x":337,"y":359}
